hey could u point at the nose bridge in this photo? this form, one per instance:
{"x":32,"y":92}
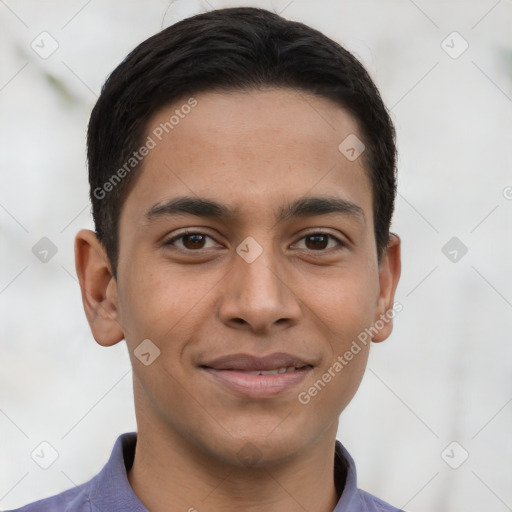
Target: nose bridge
{"x":255,"y":292}
{"x":260,"y":278}
{"x":257,"y":273}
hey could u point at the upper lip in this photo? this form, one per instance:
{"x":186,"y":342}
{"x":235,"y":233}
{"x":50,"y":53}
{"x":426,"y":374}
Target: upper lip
{"x":250,"y":362}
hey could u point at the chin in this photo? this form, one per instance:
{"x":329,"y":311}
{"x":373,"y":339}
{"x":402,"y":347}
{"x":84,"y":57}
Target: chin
{"x":257,"y":450}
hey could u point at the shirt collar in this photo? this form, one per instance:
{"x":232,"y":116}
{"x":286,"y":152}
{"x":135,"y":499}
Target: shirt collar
{"x":345,"y":478}
{"x":111,"y":490}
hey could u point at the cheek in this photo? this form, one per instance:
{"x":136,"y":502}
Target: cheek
{"x":341,"y":306}
{"x":149,"y":303}
{"x":344,"y":304}
{"x":163,"y":304}
{"x":166,"y":311}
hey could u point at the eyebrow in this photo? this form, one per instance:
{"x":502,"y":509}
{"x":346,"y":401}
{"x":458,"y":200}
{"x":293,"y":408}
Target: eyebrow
{"x":313,"y":206}
{"x":303,"y":207}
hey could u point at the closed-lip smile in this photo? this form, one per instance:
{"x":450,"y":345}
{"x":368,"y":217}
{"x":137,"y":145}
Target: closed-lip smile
{"x":258,"y":376}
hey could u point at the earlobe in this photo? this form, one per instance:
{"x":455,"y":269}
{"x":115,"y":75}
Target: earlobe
{"x":389,"y":275}
{"x":99,"y":289}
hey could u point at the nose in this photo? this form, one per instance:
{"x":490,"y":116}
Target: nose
{"x":257,"y":296}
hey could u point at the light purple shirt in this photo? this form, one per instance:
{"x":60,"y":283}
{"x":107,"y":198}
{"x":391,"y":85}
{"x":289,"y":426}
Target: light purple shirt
{"x":110,"y":491}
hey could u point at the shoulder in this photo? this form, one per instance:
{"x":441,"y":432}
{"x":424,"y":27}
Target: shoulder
{"x":374,"y":504}
{"x":72,"y":500}
{"x":109,"y":486}
{"x":352,"y":498}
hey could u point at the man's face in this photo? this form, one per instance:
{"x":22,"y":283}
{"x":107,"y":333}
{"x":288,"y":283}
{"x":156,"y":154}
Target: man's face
{"x":261,"y":280}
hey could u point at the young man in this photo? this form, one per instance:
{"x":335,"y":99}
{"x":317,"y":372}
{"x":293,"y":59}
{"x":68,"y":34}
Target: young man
{"x":242,"y":172}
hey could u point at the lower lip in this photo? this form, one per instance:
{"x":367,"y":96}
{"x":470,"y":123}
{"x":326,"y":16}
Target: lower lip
{"x":258,"y":386}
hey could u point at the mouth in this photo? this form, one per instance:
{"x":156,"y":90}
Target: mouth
{"x":257,"y":377}
{"x":275,"y":371}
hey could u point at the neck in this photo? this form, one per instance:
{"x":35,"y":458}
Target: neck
{"x":169,"y":475}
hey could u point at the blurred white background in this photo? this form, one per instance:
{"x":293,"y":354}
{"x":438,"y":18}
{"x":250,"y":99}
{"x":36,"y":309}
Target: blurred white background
{"x":443,"y":376}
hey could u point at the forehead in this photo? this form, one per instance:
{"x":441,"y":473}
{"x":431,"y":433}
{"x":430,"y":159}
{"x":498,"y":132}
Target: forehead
{"x":249,"y":150}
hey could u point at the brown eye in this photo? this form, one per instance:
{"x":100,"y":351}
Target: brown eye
{"x":317,"y":242}
{"x":191,"y":241}
{"x":320,"y":242}
{"x":194,"y":241}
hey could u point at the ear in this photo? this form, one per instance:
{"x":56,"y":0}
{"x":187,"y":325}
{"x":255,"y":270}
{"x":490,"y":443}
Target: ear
{"x":99,"y":289}
{"x":389,"y":274}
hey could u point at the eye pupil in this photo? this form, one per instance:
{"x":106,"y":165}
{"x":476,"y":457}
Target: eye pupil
{"x":318,"y":241}
{"x":193,"y":241}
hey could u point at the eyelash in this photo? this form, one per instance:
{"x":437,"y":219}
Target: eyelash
{"x":341,"y":244}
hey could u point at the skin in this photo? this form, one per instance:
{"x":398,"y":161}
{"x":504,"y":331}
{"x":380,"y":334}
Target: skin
{"x":254,"y":152}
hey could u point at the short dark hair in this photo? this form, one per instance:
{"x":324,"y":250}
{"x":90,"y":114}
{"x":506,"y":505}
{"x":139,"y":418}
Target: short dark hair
{"x":229,"y":50}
